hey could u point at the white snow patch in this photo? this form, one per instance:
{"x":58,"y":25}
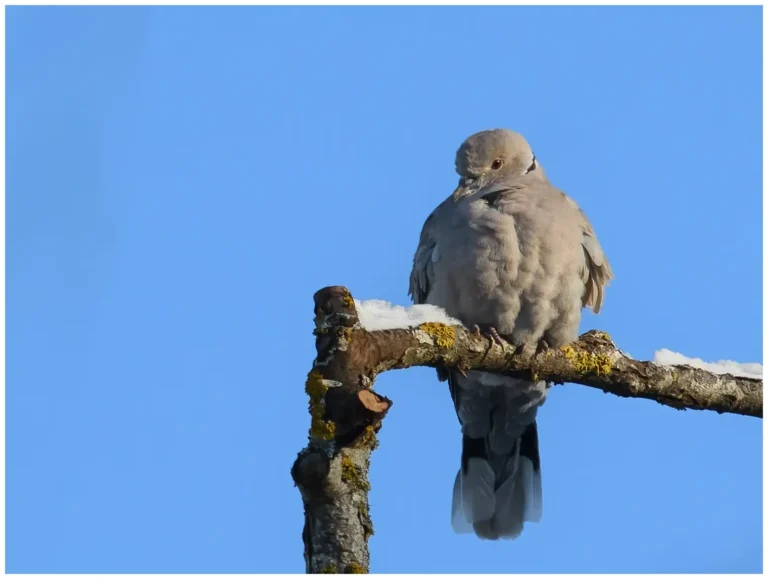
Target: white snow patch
{"x":666,"y":357}
{"x":382,"y":315}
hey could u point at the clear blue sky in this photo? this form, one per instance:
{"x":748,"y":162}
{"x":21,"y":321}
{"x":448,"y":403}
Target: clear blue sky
{"x":180,"y":181}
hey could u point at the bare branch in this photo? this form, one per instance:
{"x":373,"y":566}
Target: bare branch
{"x":332,"y":472}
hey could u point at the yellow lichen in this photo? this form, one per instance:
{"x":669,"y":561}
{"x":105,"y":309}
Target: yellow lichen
{"x":444,"y":336}
{"x":316,"y":389}
{"x":323,"y":429}
{"x":330,"y":568}
{"x":348,"y":301}
{"x":587,"y":362}
{"x":367,"y":439}
{"x":602,"y":335}
{"x":351,"y":475}
{"x":362,"y":511}
{"x":365,"y":520}
{"x":354,"y":568}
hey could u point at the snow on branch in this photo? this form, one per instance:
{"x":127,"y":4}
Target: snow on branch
{"x":380,"y":315}
{"x":666,"y":357}
{"x":356,"y":341}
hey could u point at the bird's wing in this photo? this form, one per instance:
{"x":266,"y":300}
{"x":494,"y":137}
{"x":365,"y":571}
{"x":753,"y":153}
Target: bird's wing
{"x":427,"y":254}
{"x":422,"y":279}
{"x":596,"y":271}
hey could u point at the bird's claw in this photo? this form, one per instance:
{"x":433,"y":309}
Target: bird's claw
{"x":490,"y":332}
{"x":526,"y":348}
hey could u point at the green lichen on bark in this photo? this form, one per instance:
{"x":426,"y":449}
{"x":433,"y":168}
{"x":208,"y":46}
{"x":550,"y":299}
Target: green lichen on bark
{"x":345,"y":334}
{"x":367,"y":439}
{"x":323,"y":429}
{"x":365,"y":520}
{"x":316,"y":389}
{"x":352,"y":475}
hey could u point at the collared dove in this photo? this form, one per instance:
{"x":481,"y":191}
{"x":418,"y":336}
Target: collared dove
{"x":510,"y":255}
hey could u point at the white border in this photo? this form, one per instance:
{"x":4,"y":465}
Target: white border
{"x":336,"y":3}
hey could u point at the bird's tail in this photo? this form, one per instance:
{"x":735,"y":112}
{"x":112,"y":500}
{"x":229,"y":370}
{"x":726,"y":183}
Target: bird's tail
{"x":494,"y":495}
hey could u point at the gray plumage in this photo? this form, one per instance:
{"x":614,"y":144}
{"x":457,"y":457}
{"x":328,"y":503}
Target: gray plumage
{"x":510,"y":253}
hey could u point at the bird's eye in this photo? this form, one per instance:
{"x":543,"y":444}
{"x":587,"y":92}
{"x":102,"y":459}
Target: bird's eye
{"x":497,"y":164}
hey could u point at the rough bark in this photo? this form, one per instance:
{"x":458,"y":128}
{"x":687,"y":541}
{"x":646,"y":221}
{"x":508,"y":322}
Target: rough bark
{"x":332,"y":471}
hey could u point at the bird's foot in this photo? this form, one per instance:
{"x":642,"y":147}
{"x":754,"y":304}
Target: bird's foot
{"x":542,"y":346}
{"x":490,"y":332}
{"x":528,"y":349}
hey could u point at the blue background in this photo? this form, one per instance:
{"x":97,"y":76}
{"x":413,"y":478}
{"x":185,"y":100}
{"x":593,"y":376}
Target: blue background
{"x":180,"y":181}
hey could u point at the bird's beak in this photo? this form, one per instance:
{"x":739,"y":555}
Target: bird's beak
{"x":464,"y":188}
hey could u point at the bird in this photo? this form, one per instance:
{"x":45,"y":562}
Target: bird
{"x":514,"y":258}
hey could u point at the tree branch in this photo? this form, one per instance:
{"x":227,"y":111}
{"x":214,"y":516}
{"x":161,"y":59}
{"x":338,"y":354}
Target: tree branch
{"x":332,"y":471}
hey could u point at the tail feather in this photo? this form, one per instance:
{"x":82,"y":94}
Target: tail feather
{"x":478,"y":492}
{"x":531,"y":482}
{"x":495,"y":495}
{"x":459,"y":520}
{"x":508,"y":519}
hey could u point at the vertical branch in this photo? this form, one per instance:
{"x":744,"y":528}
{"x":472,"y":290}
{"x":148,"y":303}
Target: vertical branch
{"x":332,"y":471}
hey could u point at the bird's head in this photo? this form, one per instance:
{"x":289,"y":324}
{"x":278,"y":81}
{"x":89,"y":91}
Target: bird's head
{"x":491,"y":156}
